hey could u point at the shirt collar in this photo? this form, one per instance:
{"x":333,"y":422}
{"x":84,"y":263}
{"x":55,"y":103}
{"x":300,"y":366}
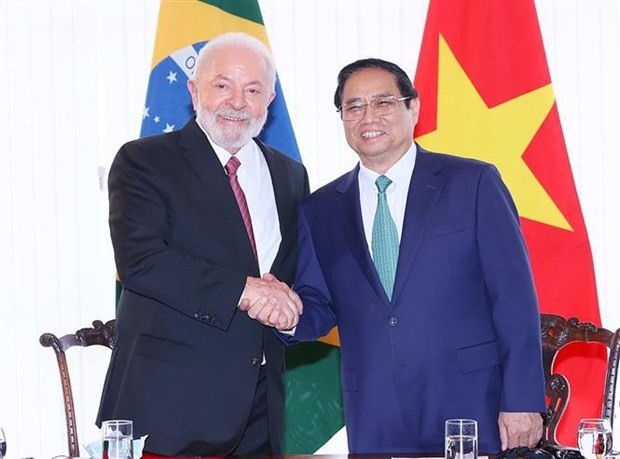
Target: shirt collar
{"x":400,"y":173}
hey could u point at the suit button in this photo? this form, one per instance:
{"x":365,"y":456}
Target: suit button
{"x":255,"y":361}
{"x":393,"y":321}
{"x":207,"y":318}
{"x":197,"y":316}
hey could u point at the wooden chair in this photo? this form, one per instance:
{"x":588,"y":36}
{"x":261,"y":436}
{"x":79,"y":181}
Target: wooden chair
{"x":100,"y":334}
{"x":557,"y":332}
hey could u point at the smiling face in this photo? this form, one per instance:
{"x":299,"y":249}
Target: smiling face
{"x":231,"y":95}
{"x":379,"y":141}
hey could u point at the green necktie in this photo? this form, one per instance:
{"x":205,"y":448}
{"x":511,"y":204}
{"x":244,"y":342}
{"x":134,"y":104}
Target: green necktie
{"x":384,"y":239}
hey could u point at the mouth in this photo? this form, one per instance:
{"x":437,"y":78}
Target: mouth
{"x":234,"y":117}
{"x":371,"y":135}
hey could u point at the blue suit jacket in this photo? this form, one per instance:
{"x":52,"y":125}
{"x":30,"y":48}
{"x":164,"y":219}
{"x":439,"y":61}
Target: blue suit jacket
{"x":461,"y":336}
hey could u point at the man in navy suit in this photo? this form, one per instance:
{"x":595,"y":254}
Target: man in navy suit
{"x":196,"y":217}
{"x":419,"y":260}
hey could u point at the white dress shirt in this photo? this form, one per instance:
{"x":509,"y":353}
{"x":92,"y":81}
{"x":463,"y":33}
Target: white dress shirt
{"x":400,"y":175}
{"x":255,"y":180}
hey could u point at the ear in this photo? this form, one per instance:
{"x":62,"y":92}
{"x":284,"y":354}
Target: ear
{"x":193,"y":91}
{"x":271,"y":97}
{"x":414,"y":108}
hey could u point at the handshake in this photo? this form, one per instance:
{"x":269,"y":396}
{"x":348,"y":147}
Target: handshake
{"x":271,"y":302}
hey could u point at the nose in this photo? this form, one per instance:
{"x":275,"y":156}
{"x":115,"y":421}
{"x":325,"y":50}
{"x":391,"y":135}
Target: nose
{"x":237,"y":99}
{"x":369,"y":115}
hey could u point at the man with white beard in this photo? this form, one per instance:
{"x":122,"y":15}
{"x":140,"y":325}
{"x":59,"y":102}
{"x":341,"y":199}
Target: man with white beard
{"x":197,"y":217}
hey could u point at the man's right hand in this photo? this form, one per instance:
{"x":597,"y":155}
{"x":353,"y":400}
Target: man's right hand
{"x":271,"y":302}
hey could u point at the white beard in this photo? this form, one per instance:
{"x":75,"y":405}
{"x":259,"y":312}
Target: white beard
{"x":230,"y":137}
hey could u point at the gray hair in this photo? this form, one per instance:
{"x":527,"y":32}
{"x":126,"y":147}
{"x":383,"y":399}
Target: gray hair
{"x":236,"y":40}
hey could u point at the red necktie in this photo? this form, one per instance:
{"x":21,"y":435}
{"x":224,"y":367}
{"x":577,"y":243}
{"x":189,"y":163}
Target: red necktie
{"x":231,"y":168}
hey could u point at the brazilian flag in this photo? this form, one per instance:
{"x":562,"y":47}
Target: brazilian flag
{"x":314,"y":407}
{"x":183,"y":28}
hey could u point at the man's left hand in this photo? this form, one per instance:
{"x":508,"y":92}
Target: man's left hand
{"x":519,"y":429}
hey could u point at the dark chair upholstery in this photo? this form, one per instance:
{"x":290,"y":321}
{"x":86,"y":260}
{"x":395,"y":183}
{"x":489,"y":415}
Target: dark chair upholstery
{"x":99,"y":334}
{"x":557,"y":332}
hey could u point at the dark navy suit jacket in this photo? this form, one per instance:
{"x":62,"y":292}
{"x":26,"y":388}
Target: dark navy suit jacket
{"x":186,"y":360}
{"x":461,"y":336}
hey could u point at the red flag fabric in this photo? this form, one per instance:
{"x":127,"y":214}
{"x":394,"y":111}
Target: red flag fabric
{"x":486,"y":93}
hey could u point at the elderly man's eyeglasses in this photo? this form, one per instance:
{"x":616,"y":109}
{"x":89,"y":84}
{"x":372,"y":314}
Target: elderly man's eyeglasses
{"x":380,"y":107}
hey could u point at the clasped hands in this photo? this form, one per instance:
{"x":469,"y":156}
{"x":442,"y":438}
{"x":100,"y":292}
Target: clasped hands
{"x":271,"y":302}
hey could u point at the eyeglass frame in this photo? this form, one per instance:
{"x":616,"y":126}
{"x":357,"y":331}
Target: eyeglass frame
{"x":374,"y":101}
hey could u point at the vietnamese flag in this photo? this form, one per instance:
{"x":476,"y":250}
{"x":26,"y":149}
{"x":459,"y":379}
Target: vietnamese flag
{"x":486,"y":93}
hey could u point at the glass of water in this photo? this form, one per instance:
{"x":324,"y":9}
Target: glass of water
{"x":594,"y":438}
{"x":2,"y":444}
{"x":117,"y":436}
{"x":461,"y":440}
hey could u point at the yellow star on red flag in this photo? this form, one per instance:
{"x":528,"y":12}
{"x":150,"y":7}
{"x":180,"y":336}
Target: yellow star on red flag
{"x":499,"y":135}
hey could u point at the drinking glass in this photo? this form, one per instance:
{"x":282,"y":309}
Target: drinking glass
{"x":2,"y":444}
{"x":461,"y":441}
{"x":594,"y":438}
{"x":117,"y":436}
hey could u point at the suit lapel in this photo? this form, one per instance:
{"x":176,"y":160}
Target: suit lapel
{"x":424,"y":189}
{"x":199,"y":153}
{"x":350,"y":215}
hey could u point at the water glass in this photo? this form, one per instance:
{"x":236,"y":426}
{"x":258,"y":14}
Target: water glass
{"x":117,"y":436}
{"x":461,"y":441}
{"x":2,"y":444}
{"x":594,"y":438}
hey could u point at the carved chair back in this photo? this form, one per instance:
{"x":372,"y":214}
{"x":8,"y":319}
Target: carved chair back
{"x":557,"y":332}
{"x":99,"y":334}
